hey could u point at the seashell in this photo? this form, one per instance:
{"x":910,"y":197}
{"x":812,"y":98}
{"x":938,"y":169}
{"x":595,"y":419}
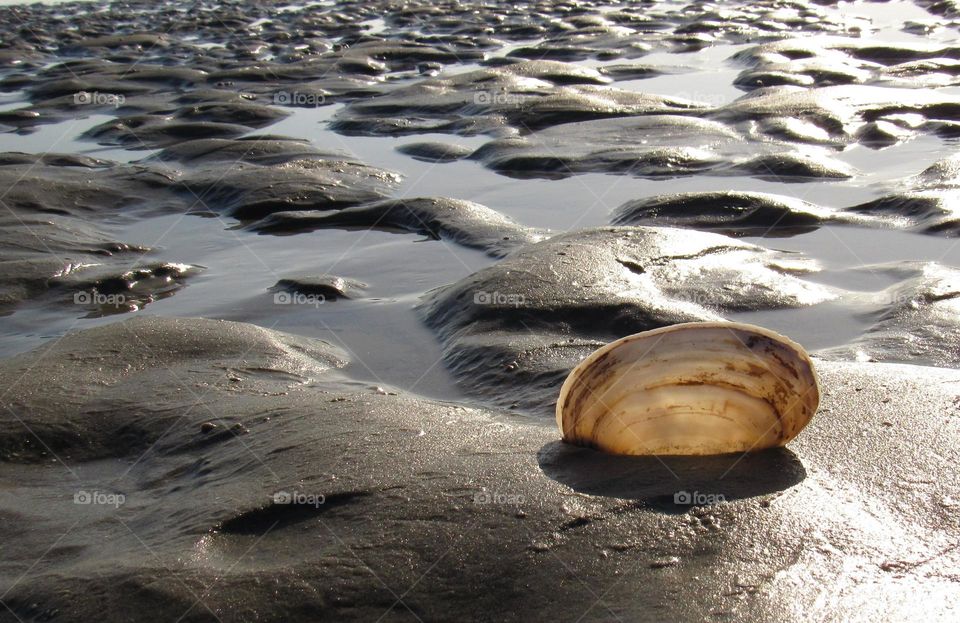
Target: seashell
{"x":690,"y":389}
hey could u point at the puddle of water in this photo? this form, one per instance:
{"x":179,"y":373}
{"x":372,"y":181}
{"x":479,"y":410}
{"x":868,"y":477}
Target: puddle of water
{"x":888,"y":18}
{"x":12,"y":100}
{"x":66,"y":137}
{"x":885,"y":166}
{"x":840,"y":250}
{"x":388,"y":342}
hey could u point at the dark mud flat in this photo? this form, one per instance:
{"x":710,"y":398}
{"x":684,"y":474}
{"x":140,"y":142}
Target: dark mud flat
{"x":437,"y":511}
{"x":288,"y":291}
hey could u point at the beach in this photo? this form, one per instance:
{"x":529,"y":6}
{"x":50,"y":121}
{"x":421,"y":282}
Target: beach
{"x":288,"y":292}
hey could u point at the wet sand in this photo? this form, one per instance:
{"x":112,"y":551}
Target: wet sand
{"x":288,"y":293}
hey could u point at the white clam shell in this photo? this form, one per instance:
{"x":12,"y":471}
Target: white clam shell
{"x":690,"y":389}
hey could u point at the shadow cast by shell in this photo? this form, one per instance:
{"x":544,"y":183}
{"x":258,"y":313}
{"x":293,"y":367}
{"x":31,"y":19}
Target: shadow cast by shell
{"x":672,"y":483}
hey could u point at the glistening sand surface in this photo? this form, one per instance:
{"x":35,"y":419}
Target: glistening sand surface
{"x":344,"y":254}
